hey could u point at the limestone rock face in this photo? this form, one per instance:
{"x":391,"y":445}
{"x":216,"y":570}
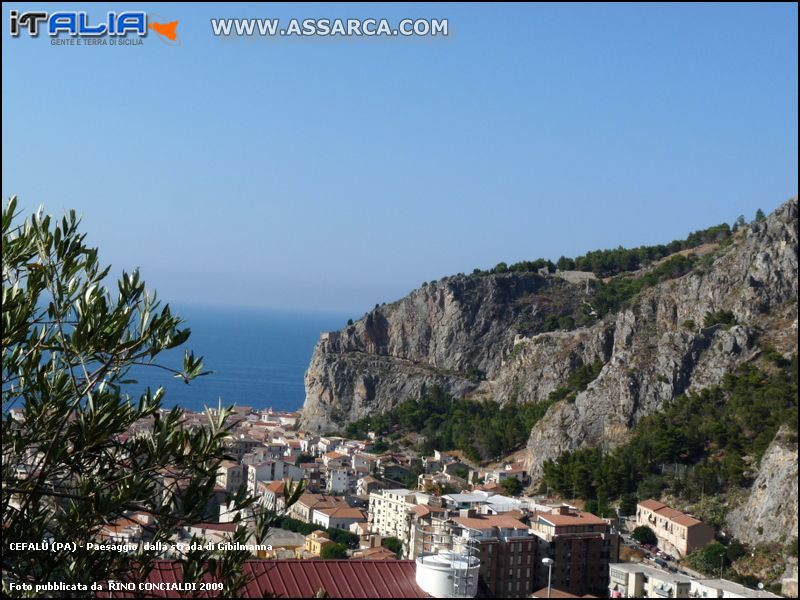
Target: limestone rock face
{"x":481,"y":337}
{"x":452,"y":333}
{"x":658,"y":354}
{"x":769,"y":513}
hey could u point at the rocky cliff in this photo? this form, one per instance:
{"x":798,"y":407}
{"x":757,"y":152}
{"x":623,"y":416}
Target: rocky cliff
{"x":660,"y":349}
{"x":481,"y":336}
{"x":769,"y":512}
{"x":454,"y":333}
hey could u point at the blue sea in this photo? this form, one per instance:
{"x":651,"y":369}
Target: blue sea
{"x":258,"y":357}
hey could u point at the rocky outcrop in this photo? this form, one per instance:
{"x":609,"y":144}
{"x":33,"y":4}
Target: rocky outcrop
{"x":769,"y":513}
{"x":481,"y":336}
{"x":659,"y":348}
{"x":454,"y":333}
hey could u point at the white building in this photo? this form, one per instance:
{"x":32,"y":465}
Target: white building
{"x":722,"y":588}
{"x":271,"y":470}
{"x":337,"y":481}
{"x":339,"y":517}
{"x":389,"y":512}
{"x":466,"y":501}
{"x":635,"y":580}
{"x":230,"y":475}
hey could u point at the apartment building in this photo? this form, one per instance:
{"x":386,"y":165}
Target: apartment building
{"x":390,"y":512}
{"x":581,"y":545}
{"x":636,"y":580}
{"x":506,"y":548}
{"x":230,"y":475}
{"x":677,"y":532}
{"x":271,"y":495}
{"x":337,"y":481}
{"x":270,"y":470}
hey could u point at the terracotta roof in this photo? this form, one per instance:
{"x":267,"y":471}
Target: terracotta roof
{"x":378,"y":553}
{"x":421,"y":510}
{"x":303,"y":579}
{"x":686,"y":520}
{"x":652,"y":504}
{"x":668,"y":513}
{"x":577,"y":518}
{"x":488,"y":521}
{"x":343,"y":512}
{"x":320,"y":501}
{"x":275,"y":486}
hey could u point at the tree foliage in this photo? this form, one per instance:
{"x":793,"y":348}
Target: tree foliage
{"x":644,"y":535}
{"x":511,"y":486}
{"x":482,"y":430}
{"x":713,"y":558}
{"x":696,"y":445}
{"x":610,"y":262}
{"x":74,"y":458}
{"x":393,"y":544}
{"x":333,"y":551}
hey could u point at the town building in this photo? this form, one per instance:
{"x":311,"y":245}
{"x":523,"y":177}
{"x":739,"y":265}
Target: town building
{"x":636,"y":580}
{"x":505,"y":547}
{"x":230,"y":475}
{"x":338,"y":517}
{"x":303,"y":509}
{"x":390,"y":512}
{"x":581,"y":545}
{"x":337,"y":481}
{"x":677,"y":532}
{"x":315,"y":542}
{"x":722,"y":588}
{"x":271,"y":495}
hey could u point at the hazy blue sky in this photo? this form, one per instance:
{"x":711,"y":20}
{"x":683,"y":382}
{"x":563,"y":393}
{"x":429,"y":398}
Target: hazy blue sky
{"x":334,"y":174}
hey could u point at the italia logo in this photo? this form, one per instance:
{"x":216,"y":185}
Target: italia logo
{"x":78,"y":24}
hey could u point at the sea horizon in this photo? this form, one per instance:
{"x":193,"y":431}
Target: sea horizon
{"x":257,"y":357}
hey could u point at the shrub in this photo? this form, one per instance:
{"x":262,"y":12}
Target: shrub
{"x":644,"y":535}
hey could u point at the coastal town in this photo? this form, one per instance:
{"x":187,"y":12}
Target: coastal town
{"x":451,"y":528}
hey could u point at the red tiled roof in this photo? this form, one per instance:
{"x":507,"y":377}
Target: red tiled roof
{"x":576,"y":518}
{"x":489,"y":521}
{"x":343,"y":512}
{"x":686,"y":520}
{"x":668,"y":513}
{"x":303,"y":579}
{"x":651,"y":504}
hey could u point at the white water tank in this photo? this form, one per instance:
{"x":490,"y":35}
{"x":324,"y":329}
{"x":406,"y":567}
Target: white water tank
{"x":448,"y":575}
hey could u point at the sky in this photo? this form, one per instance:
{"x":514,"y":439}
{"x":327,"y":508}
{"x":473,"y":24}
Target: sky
{"x":328,"y":175}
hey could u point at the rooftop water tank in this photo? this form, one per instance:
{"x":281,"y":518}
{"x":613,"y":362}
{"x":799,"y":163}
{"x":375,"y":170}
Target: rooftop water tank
{"x":448,"y":575}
